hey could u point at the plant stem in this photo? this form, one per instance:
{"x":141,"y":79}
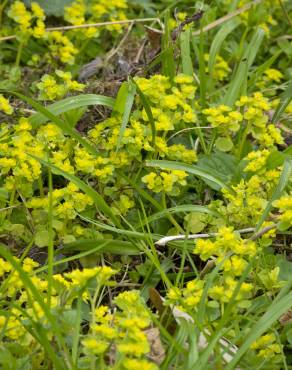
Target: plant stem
{"x":2,"y":6}
{"x":19,"y":52}
{"x":243,"y":138}
{"x":51,"y":238}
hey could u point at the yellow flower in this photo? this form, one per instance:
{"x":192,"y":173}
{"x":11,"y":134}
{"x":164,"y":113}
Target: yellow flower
{"x":5,"y":106}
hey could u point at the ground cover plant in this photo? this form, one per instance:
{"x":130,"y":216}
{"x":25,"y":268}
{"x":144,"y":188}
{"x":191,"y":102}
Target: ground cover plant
{"x":145,"y":184}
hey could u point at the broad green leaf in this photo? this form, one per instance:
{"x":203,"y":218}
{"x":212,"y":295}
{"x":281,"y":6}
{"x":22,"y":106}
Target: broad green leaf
{"x":224,"y":144}
{"x":68,"y":104}
{"x":52,"y":7}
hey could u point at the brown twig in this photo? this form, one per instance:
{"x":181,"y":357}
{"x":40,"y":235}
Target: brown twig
{"x":88,"y":25}
{"x":226,"y":17}
{"x":263,"y":231}
{"x":194,"y":18}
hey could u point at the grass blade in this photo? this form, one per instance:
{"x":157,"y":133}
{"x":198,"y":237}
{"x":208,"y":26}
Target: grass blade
{"x":276,"y":310}
{"x":285,"y":100}
{"x":97,"y":198}
{"x":195,"y":170}
{"x":218,"y":40}
{"x":240,"y":77}
{"x":57,"y":121}
{"x":129,"y":92}
{"x":68,"y":104}
{"x":185,"y":51}
{"x":119,"y":247}
{"x":148,"y":111}
{"x":179,"y":209}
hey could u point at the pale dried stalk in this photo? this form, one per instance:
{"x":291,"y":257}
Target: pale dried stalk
{"x":227,"y":17}
{"x":88,"y":25}
{"x":163,"y":241}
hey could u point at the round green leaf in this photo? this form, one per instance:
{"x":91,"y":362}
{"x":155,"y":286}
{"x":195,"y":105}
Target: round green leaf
{"x":224,"y":144}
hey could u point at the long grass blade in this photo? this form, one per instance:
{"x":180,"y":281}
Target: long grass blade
{"x":67,"y":129}
{"x":195,"y":170}
{"x":97,"y":198}
{"x":68,"y":104}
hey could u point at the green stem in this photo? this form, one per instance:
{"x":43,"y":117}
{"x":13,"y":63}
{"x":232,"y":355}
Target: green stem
{"x":41,"y":187}
{"x":2,"y":6}
{"x":19,"y":52}
{"x":77,"y":331}
{"x":51,"y":237}
{"x":171,"y":219}
{"x":213,"y":139}
{"x":243,"y":138}
{"x":285,"y":13}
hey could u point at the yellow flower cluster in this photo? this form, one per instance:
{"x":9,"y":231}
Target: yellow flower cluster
{"x":124,"y":330}
{"x":56,"y":87}
{"x":232,"y":253}
{"x":171,"y":104}
{"x":30,"y":22}
{"x":255,"y":113}
{"x":266,"y":346}
{"x":249,"y":198}
{"x":252,"y":116}
{"x":256,"y":160}
{"x":5,"y":106}
{"x":105,"y":10}
{"x":221,"y":69}
{"x":67,"y":202}
{"x":165,"y":181}
{"x":16,"y":164}
{"x":188,"y":297}
{"x":285,"y":207}
{"x":227,"y":241}
{"x":61,"y":48}
{"x":223,"y":118}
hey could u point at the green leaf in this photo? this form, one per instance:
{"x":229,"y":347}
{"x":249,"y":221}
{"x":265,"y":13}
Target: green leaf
{"x":42,"y":238}
{"x":222,"y":165}
{"x":224,"y":144}
{"x":195,"y":170}
{"x":69,"y":104}
{"x":185,"y":51}
{"x":218,"y":40}
{"x":130,"y":92}
{"x":3,"y":194}
{"x":168,"y":63}
{"x":52,"y":7}
{"x":118,"y":247}
{"x":240,"y":77}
